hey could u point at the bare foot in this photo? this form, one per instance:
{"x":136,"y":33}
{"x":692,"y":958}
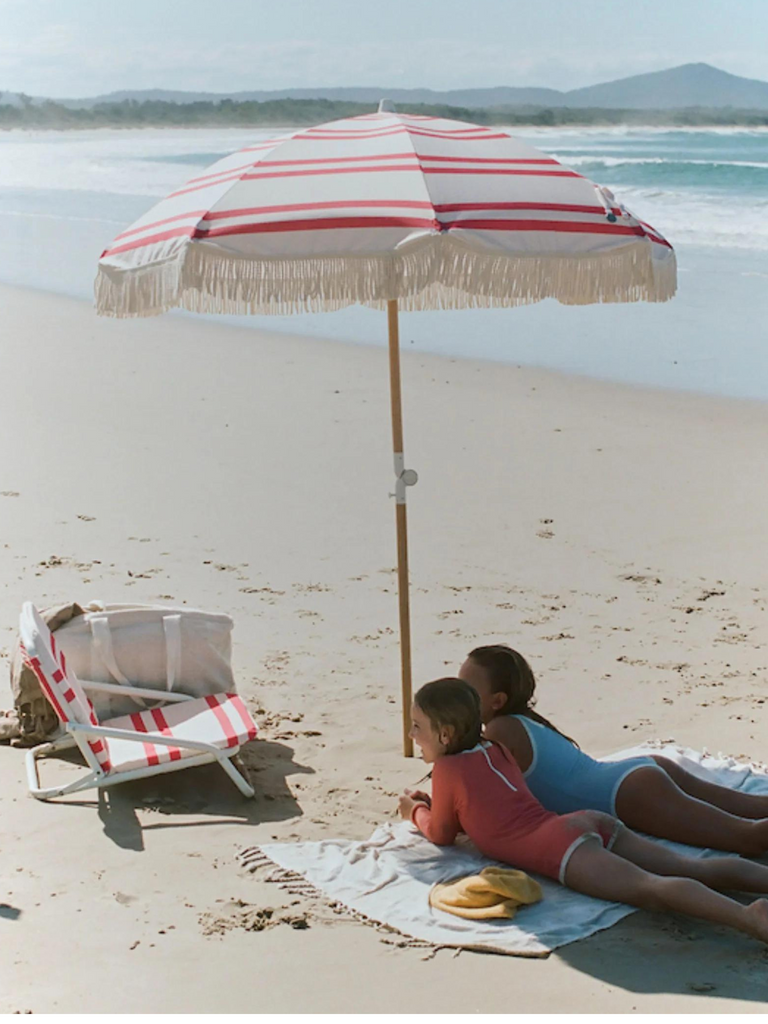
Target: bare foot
{"x":757,"y":919}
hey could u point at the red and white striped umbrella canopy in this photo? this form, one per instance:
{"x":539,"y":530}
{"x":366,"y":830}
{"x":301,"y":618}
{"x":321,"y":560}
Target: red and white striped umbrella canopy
{"x":431,"y":212}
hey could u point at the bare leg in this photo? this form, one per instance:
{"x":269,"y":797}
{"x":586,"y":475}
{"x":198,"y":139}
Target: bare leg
{"x":601,"y":873}
{"x":728,"y":873}
{"x":649,"y":801}
{"x":745,"y":805}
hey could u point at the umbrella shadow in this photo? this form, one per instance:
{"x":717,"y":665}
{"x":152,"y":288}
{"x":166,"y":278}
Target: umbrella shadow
{"x":662,"y":953}
{"x":205,"y":790}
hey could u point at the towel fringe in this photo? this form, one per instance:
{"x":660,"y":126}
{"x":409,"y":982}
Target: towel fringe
{"x":254,"y":859}
{"x":437,"y":273}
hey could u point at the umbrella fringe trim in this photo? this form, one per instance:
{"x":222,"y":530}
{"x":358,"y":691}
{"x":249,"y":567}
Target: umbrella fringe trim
{"x":432,"y":276}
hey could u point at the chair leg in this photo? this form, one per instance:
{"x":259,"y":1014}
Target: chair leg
{"x":33,"y":779}
{"x":237,"y":777}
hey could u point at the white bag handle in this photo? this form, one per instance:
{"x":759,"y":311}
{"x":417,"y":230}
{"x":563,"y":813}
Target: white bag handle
{"x":172,"y":628}
{"x":102,"y":641}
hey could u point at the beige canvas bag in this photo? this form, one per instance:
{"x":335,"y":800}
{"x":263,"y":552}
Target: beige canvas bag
{"x":154,"y":646}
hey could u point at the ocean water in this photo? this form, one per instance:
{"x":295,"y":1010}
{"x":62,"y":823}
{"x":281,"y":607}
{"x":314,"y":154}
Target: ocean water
{"x":64,"y":195}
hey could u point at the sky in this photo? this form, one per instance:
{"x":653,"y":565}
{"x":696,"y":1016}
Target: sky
{"x":74,"y":48}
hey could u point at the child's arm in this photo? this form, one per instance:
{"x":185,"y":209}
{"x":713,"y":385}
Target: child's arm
{"x":439,"y":823}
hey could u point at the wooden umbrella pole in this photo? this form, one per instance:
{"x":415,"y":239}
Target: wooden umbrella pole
{"x":404,"y":478}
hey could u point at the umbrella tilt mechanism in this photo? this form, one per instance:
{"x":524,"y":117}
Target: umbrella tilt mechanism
{"x":403,"y":478}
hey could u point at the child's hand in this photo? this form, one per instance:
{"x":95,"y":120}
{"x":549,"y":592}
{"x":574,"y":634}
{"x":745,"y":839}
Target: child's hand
{"x":408,"y":801}
{"x":405,"y":806}
{"x":417,"y":794}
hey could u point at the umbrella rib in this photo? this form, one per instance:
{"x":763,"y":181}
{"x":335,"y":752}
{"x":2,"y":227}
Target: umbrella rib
{"x":423,"y":176}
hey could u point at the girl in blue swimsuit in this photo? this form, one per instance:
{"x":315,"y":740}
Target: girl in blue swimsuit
{"x":649,"y":794}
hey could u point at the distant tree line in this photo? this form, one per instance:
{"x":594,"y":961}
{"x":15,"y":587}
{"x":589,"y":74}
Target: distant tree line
{"x":230,"y":114}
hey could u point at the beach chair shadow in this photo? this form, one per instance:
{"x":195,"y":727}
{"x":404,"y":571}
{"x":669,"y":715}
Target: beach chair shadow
{"x":204,"y":793}
{"x":654,"y":953}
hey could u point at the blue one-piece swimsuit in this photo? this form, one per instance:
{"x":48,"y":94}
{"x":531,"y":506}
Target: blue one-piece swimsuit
{"x":565,"y":779}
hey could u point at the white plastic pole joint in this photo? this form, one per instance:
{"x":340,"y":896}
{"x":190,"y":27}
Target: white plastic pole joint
{"x":403,"y":478}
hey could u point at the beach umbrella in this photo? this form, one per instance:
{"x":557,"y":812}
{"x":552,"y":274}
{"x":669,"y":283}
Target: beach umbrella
{"x":393,"y":211}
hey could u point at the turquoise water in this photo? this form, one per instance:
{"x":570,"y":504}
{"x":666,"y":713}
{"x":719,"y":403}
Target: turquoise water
{"x":64,"y":195}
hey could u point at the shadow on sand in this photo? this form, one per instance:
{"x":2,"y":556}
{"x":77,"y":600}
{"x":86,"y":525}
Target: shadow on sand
{"x":655,"y":953}
{"x":202,"y":791}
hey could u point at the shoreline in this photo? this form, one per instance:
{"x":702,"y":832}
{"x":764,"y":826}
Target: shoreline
{"x":565,"y":375}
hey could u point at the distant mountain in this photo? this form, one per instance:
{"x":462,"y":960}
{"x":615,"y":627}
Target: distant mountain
{"x":690,"y":85}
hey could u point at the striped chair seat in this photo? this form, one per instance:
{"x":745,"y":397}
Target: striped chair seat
{"x":220,"y":720}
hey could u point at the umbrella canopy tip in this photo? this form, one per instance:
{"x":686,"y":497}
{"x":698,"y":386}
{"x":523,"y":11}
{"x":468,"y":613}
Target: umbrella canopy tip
{"x":387,"y":107}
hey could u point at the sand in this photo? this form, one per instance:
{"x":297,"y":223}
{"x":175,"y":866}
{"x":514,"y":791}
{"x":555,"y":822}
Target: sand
{"x":615,"y":535}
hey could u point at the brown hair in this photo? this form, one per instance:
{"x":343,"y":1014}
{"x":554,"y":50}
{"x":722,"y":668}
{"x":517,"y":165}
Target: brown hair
{"x":454,"y":704}
{"x":509,"y":673}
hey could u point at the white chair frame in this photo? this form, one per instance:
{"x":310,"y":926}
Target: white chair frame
{"x":97,"y":778}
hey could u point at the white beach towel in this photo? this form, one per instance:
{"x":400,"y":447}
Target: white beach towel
{"x":387,"y":878}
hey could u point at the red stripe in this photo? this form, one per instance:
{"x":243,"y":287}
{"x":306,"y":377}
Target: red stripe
{"x":199,"y":214}
{"x":208,"y":184}
{"x":213,"y":701}
{"x":386,"y":156}
{"x":149,"y":748}
{"x":228,"y":170}
{"x":487,"y":159}
{"x":365,"y":204}
{"x":237,"y":703}
{"x":555,"y":207}
{"x":338,"y":159}
{"x":564,"y":226}
{"x":399,"y":131}
{"x":363,"y":133}
{"x":268,"y":227}
{"x":162,"y":236}
{"x":269,"y":144}
{"x":47,"y":689}
{"x":163,"y":728}
{"x":346,"y":223}
{"x":320,"y":224}
{"x":341,"y":204}
{"x":98,"y":747}
{"x":500,"y":170}
{"x":257,"y":176}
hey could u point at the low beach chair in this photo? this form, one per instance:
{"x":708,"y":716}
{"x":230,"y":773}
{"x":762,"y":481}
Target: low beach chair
{"x":181,"y":734}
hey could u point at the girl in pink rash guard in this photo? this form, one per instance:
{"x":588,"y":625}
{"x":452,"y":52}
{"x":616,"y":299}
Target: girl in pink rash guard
{"x":478,"y":789}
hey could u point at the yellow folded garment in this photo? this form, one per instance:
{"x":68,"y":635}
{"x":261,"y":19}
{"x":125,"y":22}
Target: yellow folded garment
{"x":495,"y":892}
